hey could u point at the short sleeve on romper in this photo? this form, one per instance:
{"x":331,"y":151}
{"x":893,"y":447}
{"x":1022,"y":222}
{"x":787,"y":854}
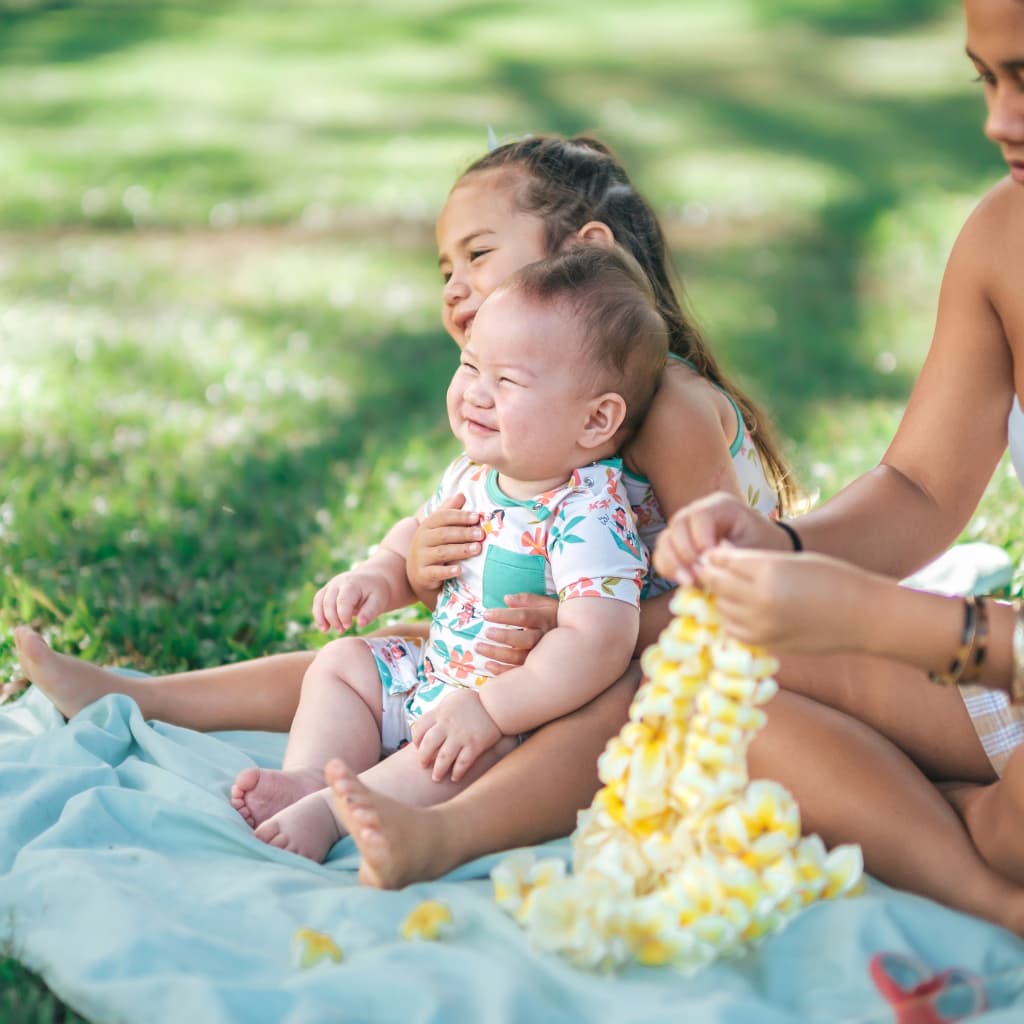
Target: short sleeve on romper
{"x":593,"y":545}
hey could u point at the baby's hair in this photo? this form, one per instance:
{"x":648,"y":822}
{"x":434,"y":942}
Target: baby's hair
{"x":568,"y":182}
{"x":621,"y":331}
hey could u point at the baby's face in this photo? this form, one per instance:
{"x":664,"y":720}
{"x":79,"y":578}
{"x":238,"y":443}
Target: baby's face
{"x":517,"y":401}
{"x":482,"y":239}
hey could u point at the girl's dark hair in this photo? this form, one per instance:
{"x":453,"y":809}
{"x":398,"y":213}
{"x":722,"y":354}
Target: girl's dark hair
{"x":568,"y":182}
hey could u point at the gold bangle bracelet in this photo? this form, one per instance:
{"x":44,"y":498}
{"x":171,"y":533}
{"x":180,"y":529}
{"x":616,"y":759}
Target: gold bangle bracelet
{"x":967,"y":637}
{"x":979,"y":645}
{"x":1017,"y":684}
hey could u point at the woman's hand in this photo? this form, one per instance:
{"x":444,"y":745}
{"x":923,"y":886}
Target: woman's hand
{"x":446,"y":537}
{"x":793,"y":602}
{"x":703,"y":525}
{"x":516,"y":630}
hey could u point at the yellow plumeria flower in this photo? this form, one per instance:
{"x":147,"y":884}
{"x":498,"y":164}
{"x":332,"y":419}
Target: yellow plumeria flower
{"x":429,"y":920}
{"x":310,"y":948}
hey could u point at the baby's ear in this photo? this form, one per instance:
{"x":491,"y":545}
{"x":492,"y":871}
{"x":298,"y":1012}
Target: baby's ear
{"x":595,"y":232}
{"x":605,"y":416}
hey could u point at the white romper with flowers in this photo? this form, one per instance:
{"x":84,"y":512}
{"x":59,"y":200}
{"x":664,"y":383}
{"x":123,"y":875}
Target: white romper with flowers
{"x":576,"y":540}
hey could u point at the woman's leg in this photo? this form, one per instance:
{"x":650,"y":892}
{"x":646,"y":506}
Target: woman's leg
{"x":530,"y":796}
{"x":927,"y":722}
{"x":994,"y":816}
{"x":853,"y":785}
{"x":931,"y":725}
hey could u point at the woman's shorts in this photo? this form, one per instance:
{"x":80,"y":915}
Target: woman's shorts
{"x":999,"y":724}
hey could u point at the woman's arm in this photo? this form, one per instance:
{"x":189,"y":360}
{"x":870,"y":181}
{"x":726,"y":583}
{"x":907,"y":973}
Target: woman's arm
{"x":901,"y":514}
{"x":811,"y":603}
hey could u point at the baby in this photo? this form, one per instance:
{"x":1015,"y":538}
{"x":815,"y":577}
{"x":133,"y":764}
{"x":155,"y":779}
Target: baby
{"x":562,"y":362}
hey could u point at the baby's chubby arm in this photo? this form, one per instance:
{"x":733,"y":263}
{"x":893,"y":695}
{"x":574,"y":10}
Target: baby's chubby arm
{"x":377,"y":585}
{"x":587,"y":651}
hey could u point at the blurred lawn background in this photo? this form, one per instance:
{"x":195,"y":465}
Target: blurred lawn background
{"x":221,"y":365}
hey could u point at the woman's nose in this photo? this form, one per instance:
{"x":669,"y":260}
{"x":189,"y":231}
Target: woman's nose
{"x":1005,"y":121}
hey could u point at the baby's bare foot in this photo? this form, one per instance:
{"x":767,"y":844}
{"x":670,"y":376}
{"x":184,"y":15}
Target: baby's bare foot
{"x":307,"y":827}
{"x":399,"y":844}
{"x":70,"y":683}
{"x":259,"y":793}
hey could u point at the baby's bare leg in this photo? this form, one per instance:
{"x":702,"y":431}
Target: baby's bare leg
{"x":339,"y":714}
{"x":258,"y":694}
{"x":310,"y":826}
{"x":531,"y":796}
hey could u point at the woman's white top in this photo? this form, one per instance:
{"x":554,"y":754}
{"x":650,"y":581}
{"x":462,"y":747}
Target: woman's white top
{"x":1015,"y":438}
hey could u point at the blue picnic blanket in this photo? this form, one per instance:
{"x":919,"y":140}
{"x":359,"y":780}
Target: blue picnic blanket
{"x":130,"y":884}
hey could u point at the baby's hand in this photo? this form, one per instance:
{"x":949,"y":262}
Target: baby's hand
{"x":446,"y":537}
{"x":454,"y":734}
{"x":509,"y":646}
{"x":358,"y":596}
{"x":790,"y":602}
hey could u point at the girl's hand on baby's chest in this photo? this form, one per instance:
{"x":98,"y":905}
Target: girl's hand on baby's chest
{"x":449,"y":535}
{"x":514,"y":631}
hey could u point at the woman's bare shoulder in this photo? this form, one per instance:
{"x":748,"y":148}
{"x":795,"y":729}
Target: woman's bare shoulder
{"x":998,"y":219}
{"x":989,"y":250}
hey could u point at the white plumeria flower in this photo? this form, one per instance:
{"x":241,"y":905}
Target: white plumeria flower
{"x":519,"y":874}
{"x":844,"y":870}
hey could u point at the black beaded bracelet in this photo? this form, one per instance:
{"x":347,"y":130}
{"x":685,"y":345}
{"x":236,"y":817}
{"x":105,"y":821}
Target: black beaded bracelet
{"x":794,"y":537}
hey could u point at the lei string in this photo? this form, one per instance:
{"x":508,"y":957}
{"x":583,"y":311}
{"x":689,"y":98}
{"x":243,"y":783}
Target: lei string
{"x":680,"y":858}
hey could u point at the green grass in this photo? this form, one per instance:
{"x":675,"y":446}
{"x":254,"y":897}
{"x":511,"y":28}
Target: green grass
{"x":221,"y":366}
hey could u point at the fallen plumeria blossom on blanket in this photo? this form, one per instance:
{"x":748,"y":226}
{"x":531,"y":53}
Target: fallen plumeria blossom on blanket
{"x":310,"y":948}
{"x":680,"y":858}
{"x":430,"y":920}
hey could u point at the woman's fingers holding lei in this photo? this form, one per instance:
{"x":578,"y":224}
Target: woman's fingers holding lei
{"x":703,"y":525}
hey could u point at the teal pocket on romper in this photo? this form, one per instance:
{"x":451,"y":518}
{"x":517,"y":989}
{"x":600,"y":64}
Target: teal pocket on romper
{"x":511,"y":572}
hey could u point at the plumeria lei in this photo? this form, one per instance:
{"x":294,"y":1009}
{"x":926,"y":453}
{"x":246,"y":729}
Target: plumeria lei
{"x":680,"y":858}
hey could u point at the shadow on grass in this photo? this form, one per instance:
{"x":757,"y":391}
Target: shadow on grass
{"x":875,"y":16}
{"x":62,"y":31}
{"x":203,"y":560}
